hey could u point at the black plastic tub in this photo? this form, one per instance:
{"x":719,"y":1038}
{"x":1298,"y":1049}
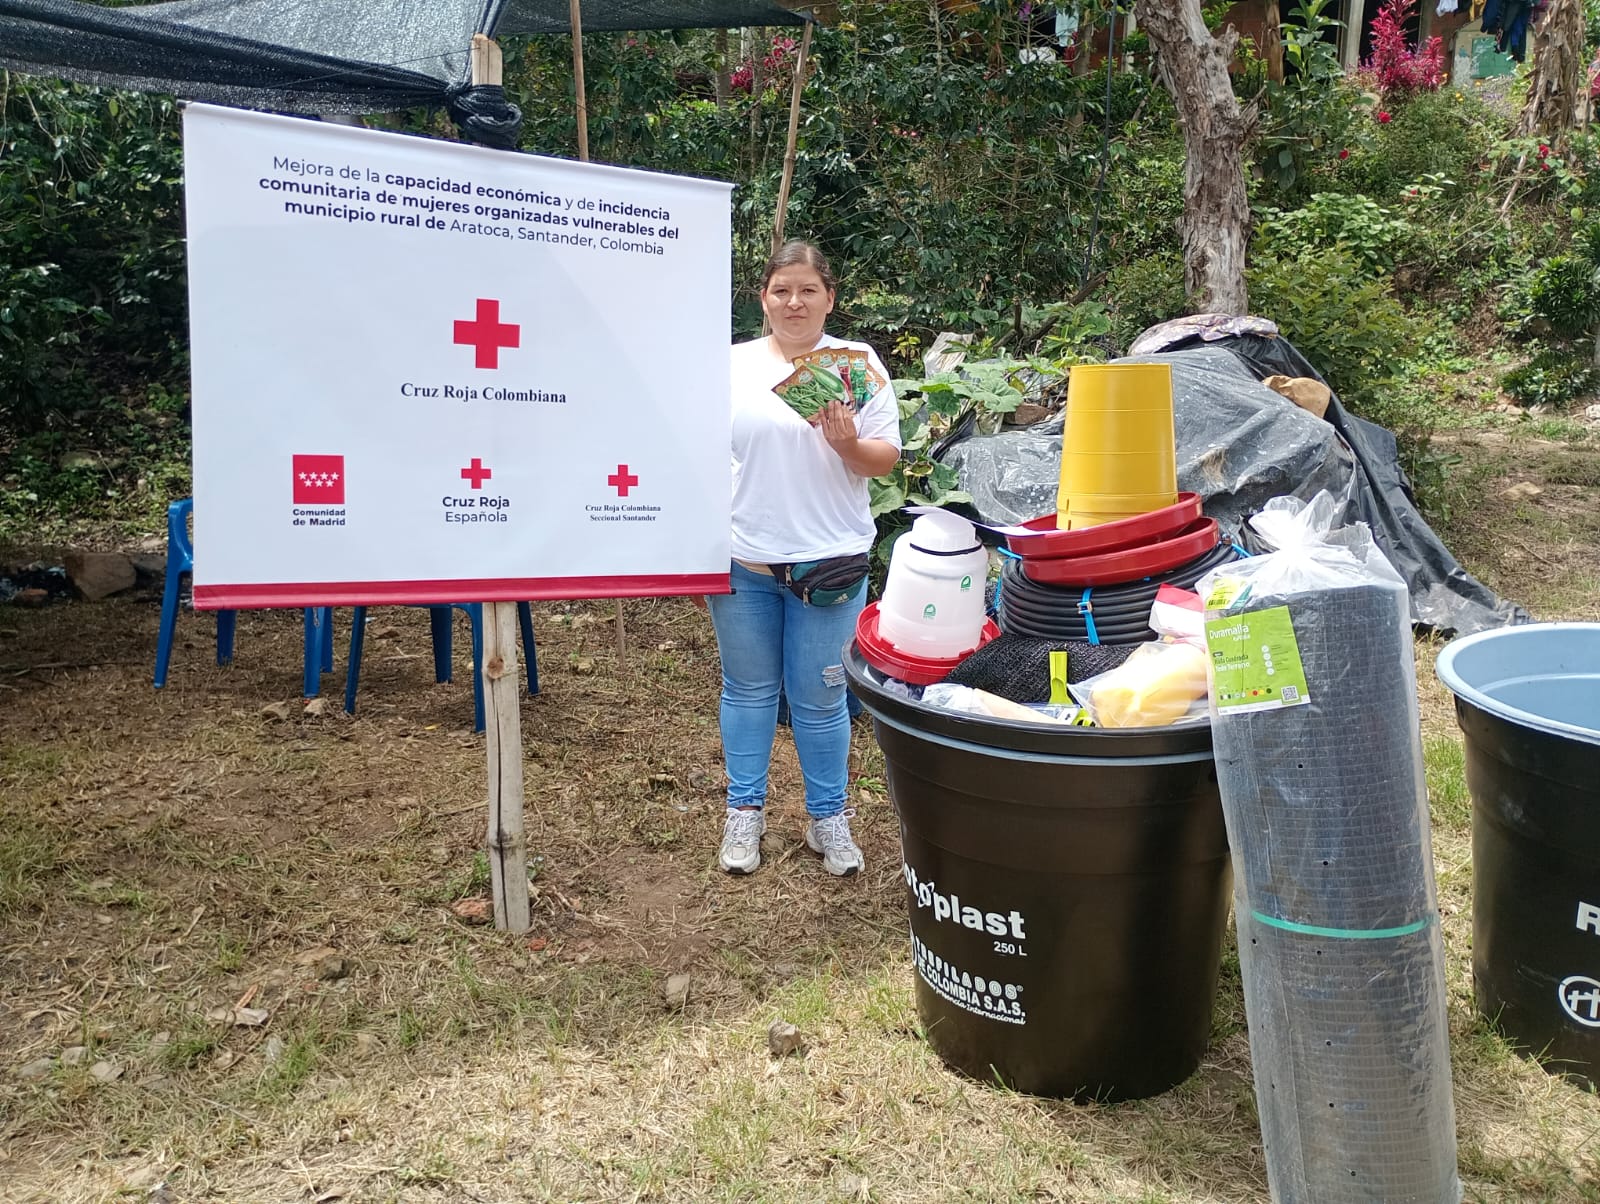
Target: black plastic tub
{"x":1068,"y":892}
{"x":1528,"y":702}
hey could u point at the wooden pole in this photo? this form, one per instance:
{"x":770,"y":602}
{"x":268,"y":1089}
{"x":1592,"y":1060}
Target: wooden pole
{"x":575,"y":18}
{"x":796,"y":87}
{"x":502,"y":719}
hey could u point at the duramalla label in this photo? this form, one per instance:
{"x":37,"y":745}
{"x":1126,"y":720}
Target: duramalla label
{"x":982,"y":996}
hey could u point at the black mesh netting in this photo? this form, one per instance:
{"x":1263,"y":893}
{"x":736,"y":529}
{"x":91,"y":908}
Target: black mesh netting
{"x":1339,"y":946}
{"x":320,"y":56}
{"x":1018,"y":666}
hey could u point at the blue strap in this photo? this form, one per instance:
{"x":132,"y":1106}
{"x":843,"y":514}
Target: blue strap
{"x":1086,"y":609}
{"x":1243,"y":555}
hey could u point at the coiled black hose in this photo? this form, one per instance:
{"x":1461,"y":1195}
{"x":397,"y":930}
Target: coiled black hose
{"x":1107,"y":614}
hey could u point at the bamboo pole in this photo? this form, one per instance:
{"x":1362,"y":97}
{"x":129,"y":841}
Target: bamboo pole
{"x":506,"y":839}
{"x":575,"y":18}
{"x":796,"y":87}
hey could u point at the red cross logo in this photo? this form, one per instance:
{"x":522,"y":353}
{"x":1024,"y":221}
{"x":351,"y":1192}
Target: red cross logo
{"x":476,"y":473}
{"x":621,"y":481}
{"x":486,"y":334}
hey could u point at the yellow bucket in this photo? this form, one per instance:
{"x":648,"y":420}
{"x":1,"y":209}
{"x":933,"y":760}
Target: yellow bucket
{"x":1118,"y":450}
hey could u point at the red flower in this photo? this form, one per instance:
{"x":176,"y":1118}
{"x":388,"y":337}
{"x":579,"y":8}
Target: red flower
{"x":1345,"y":153}
{"x":1545,"y":165}
{"x":1385,"y":117}
{"x":1544,"y":150}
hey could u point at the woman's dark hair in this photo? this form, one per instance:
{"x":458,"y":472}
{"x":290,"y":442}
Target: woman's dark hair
{"x":795,"y":252}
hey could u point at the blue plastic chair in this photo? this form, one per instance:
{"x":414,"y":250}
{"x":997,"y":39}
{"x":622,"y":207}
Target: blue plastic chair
{"x":439,"y":619}
{"x":180,"y":560}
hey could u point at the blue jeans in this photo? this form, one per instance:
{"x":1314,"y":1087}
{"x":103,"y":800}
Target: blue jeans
{"x":769,"y":638}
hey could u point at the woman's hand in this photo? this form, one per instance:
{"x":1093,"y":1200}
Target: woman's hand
{"x":837,"y":422}
{"x":864,"y":457}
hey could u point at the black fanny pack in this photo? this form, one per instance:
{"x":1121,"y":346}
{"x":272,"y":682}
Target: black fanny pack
{"x":825,"y":582}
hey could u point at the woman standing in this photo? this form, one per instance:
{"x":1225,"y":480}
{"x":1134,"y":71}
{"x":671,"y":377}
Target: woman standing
{"x":800,"y":512}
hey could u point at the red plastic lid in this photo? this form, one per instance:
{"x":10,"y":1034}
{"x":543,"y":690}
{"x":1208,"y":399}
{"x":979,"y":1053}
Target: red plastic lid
{"x":917,"y":670}
{"x":1107,"y":537}
{"x":1128,"y":564}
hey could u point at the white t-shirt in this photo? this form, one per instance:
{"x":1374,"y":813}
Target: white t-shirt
{"x":793,"y":497}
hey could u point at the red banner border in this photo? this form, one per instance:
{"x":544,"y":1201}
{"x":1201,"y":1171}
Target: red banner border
{"x":467,"y":589}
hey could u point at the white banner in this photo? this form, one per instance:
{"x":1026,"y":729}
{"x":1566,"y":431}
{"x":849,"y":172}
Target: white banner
{"x":428,"y":372}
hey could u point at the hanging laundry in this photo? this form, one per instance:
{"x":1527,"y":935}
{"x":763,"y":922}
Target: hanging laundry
{"x":1066,"y":25}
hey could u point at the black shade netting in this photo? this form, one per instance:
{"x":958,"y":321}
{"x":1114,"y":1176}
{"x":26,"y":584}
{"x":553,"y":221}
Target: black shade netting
{"x":550,"y":16}
{"x":1116,"y":614}
{"x":1348,"y":1045}
{"x":319,"y":56}
{"x":1018,"y":666}
{"x":1343,"y":966}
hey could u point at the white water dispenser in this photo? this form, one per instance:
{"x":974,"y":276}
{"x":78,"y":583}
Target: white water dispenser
{"x":933,"y":600}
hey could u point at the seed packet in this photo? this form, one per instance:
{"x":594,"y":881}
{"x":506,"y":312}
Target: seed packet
{"x":808,"y":389}
{"x":861,"y":382}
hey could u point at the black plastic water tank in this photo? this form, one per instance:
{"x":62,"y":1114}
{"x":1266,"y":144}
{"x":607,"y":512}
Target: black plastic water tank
{"x":1528,"y":702}
{"x":1068,"y":891}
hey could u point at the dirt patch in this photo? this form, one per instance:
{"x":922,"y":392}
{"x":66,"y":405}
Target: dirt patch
{"x":1527,"y":521}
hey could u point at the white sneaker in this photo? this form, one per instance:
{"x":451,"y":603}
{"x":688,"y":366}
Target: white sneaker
{"x":831,"y":838}
{"x":741,"y":840}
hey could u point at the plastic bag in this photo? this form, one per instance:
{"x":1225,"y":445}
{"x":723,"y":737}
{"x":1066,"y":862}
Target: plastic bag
{"x":1159,"y":685}
{"x":1309,"y":553}
{"x":969,"y":701}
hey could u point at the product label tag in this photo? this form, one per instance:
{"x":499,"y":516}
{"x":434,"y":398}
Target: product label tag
{"x":1225,"y":591}
{"x":1255,"y":662}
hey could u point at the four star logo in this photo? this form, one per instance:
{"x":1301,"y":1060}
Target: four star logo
{"x":319,"y":480}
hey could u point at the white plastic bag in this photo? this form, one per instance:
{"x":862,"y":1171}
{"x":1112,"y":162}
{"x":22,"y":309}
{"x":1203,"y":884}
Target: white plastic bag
{"x":1161,"y":684}
{"x":1310,"y":553}
{"x":968,"y":701}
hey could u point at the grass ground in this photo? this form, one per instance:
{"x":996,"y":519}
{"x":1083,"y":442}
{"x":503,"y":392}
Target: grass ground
{"x":165,"y":855}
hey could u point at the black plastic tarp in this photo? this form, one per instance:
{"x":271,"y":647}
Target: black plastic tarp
{"x":1240,"y":443}
{"x":314,"y":56}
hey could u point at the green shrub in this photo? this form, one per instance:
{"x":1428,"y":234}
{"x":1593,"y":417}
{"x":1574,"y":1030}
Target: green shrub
{"x":1144,"y":292}
{"x":1357,"y":224}
{"x":91,"y":247}
{"x":1440,"y":132}
{"x":1564,"y":294}
{"x":1344,"y":320}
{"x":1314,"y":114}
{"x":1552,"y":377}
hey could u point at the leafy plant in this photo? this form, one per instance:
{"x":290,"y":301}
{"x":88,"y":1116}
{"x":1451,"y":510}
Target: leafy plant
{"x":1313,"y":117}
{"x":91,"y":245}
{"x":929,"y":409}
{"x":1563,"y":295}
{"x":1356,"y":224}
{"x":1342,"y":318}
{"x":1553,"y":377}
{"x":1399,"y":69}
{"x":1144,"y":292}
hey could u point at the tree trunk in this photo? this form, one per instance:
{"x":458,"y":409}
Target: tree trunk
{"x":724,"y":70}
{"x":1272,"y":42}
{"x":1216,"y":133}
{"x":1555,"y":81}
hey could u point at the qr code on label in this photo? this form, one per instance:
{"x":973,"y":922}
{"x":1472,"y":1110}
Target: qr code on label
{"x":1289,"y":694}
